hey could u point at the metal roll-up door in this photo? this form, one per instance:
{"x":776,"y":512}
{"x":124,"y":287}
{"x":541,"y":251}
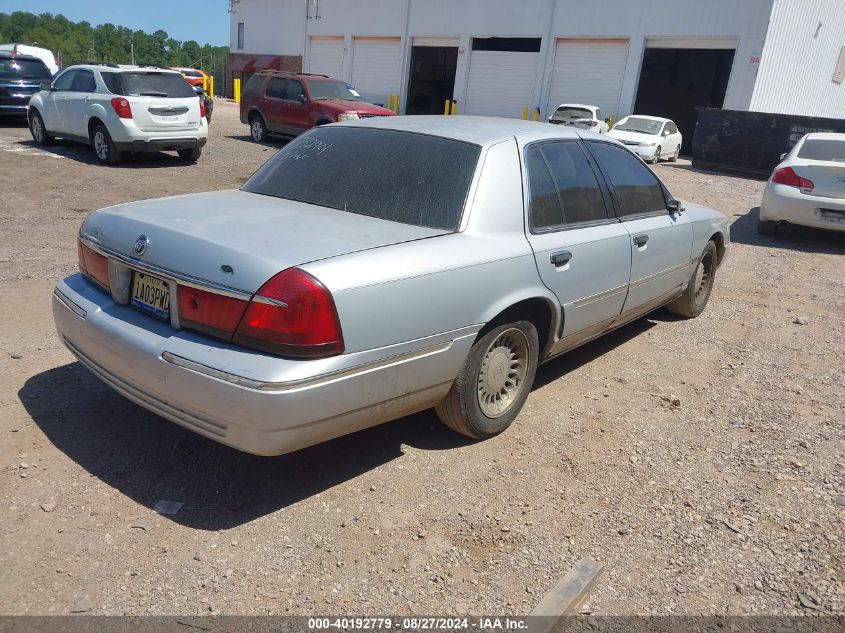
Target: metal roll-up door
{"x":326,"y":56}
{"x":502,"y":76}
{"x":588,"y":71}
{"x":376,"y":67}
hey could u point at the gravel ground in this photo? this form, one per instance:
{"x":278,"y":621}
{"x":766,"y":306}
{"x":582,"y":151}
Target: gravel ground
{"x":703,"y":461}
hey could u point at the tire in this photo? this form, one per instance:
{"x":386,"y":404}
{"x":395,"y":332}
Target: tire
{"x":767,"y":227}
{"x":656,"y":158}
{"x":190,"y":154}
{"x":674,"y":157}
{"x":257,"y":129}
{"x":39,"y":130}
{"x":695,"y":297}
{"x":104,"y":149}
{"x":476,"y":408}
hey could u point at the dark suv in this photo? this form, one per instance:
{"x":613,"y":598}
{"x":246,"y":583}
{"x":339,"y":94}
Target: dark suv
{"x":20,"y":78}
{"x":289,"y":103}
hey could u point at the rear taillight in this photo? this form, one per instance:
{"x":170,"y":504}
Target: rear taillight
{"x":211,"y":313}
{"x":293,"y":314}
{"x":122,"y":107}
{"x":93,"y":265}
{"x":787,"y":176}
{"x":202,"y":108}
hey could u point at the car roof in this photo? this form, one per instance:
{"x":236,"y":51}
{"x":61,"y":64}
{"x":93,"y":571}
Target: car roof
{"x":826,"y":136}
{"x":122,"y":68}
{"x":479,"y":130}
{"x":648,"y":117}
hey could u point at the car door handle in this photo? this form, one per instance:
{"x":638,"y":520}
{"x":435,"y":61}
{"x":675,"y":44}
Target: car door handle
{"x":641,"y":239}
{"x":560,"y":258}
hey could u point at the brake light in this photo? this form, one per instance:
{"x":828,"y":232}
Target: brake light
{"x":787,"y":176}
{"x":209,"y":312}
{"x":93,"y":265}
{"x":292,"y":314}
{"x":122,"y":107}
{"x":202,"y":108}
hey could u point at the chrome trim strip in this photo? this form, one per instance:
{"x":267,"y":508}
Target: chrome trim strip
{"x":600,"y":296}
{"x":665,"y":271}
{"x":269,"y":301}
{"x":311,"y":381}
{"x":70,"y":305}
{"x":187,"y":280}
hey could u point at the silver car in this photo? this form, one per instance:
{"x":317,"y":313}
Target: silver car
{"x":373,"y":269}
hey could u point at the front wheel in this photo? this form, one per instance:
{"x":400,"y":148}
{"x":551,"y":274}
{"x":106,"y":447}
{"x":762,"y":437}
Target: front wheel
{"x":695,"y":297}
{"x":656,"y":158}
{"x":190,"y":154}
{"x":104,"y":148}
{"x":494,"y":382}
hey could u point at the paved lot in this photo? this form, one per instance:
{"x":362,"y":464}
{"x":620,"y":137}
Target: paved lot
{"x":732,"y":501}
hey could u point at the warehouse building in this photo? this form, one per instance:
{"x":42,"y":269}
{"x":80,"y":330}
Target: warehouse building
{"x":497,"y":57}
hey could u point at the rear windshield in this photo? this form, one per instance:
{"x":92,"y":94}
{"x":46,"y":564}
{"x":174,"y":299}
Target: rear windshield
{"x":571,"y":114}
{"x":142,"y":84}
{"x":191,"y":73}
{"x":823,"y":149}
{"x":397,"y":176}
{"x":13,"y":68}
{"x":332,"y":90}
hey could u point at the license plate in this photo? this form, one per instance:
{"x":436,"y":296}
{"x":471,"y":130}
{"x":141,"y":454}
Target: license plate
{"x":832,"y":214}
{"x":152,"y":295}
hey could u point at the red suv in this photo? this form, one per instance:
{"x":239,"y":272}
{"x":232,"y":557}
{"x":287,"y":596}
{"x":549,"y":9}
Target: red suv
{"x":289,"y":103}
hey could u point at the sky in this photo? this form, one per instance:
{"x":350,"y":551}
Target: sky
{"x":206,"y":21}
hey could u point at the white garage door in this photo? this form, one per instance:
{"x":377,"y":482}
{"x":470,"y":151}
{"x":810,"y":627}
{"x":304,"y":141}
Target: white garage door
{"x":326,"y":56}
{"x":588,"y":72}
{"x":501,"y":83}
{"x":376,"y":63}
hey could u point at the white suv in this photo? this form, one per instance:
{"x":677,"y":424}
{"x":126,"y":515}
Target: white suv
{"x":120,"y":109}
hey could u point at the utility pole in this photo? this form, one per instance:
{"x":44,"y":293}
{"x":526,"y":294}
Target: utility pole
{"x":132,"y":48}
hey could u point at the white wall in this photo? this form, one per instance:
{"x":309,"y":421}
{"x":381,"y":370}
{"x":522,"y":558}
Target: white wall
{"x":279,"y":27}
{"x":796,"y":71}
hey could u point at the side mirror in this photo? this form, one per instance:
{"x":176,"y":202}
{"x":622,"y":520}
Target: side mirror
{"x":48,"y":86}
{"x":302,"y":99}
{"x":665,"y":133}
{"x":674,"y":205}
{"x":782,"y":156}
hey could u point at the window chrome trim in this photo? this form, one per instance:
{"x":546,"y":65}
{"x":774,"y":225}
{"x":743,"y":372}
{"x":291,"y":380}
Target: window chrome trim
{"x":169,"y":275}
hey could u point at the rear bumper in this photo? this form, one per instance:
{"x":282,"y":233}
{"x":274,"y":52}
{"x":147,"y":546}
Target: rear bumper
{"x":161,"y":144}
{"x":787,"y":204}
{"x":247,"y":400}
{"x":14,"y":109}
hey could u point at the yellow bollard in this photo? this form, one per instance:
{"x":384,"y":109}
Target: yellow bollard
{"x":447,"y":105}
{"x":211,"y":86}
{"x":454,"y":109}
{"x":396,"y":103}
{"x":525,"y":113}
{"x":237,"y":87}
{"x":389,"y":102}
{"x":205,"y":83}
{"x":536,"y":116}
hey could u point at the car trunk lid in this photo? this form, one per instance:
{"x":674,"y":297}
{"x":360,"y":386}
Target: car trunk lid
{"x":828,"y":177}
{"x":238,"y":239}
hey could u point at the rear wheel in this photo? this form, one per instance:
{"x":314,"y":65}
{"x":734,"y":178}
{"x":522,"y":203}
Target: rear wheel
{"x":767,"y":227}
{"x":674,"y":157}
{"x":257,"y":129}
{"x":39,"y":130}
{"x":695,"y":297}
{"x":494,"y":383}
{"x":104,"y":148}
{"x":190,"y":154}
{"x":656,"y":158}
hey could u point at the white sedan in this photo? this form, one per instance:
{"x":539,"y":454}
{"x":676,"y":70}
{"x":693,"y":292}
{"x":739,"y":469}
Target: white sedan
{"x":586,"y":117}
{"x":807,"y":187}
{"x":649,"y":137}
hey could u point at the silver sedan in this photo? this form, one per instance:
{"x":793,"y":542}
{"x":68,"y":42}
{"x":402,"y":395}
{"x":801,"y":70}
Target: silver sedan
{"x":373,"y":269}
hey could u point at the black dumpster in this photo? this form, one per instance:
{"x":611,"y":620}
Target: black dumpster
{"x":750,"y":143}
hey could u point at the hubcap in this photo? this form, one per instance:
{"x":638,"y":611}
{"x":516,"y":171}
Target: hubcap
{"x":256,"y":131}
{"x":36,"y":128}
{"x":100,"y":145}
{"x":703,"y":277}
{"x":502,"y":376}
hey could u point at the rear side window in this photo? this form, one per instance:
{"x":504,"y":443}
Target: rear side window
{"x":84,"y":82}
{"x":823,"y":149}
{"x":146,"y":84}
{"x":398,"y":176}
{"x":276,"y":88}
{"x":545,"y":207}
{"x":253,"y":85}
{"x":637,"y":190}
{"x":575,"y":180}
{"x":112,"y":81}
